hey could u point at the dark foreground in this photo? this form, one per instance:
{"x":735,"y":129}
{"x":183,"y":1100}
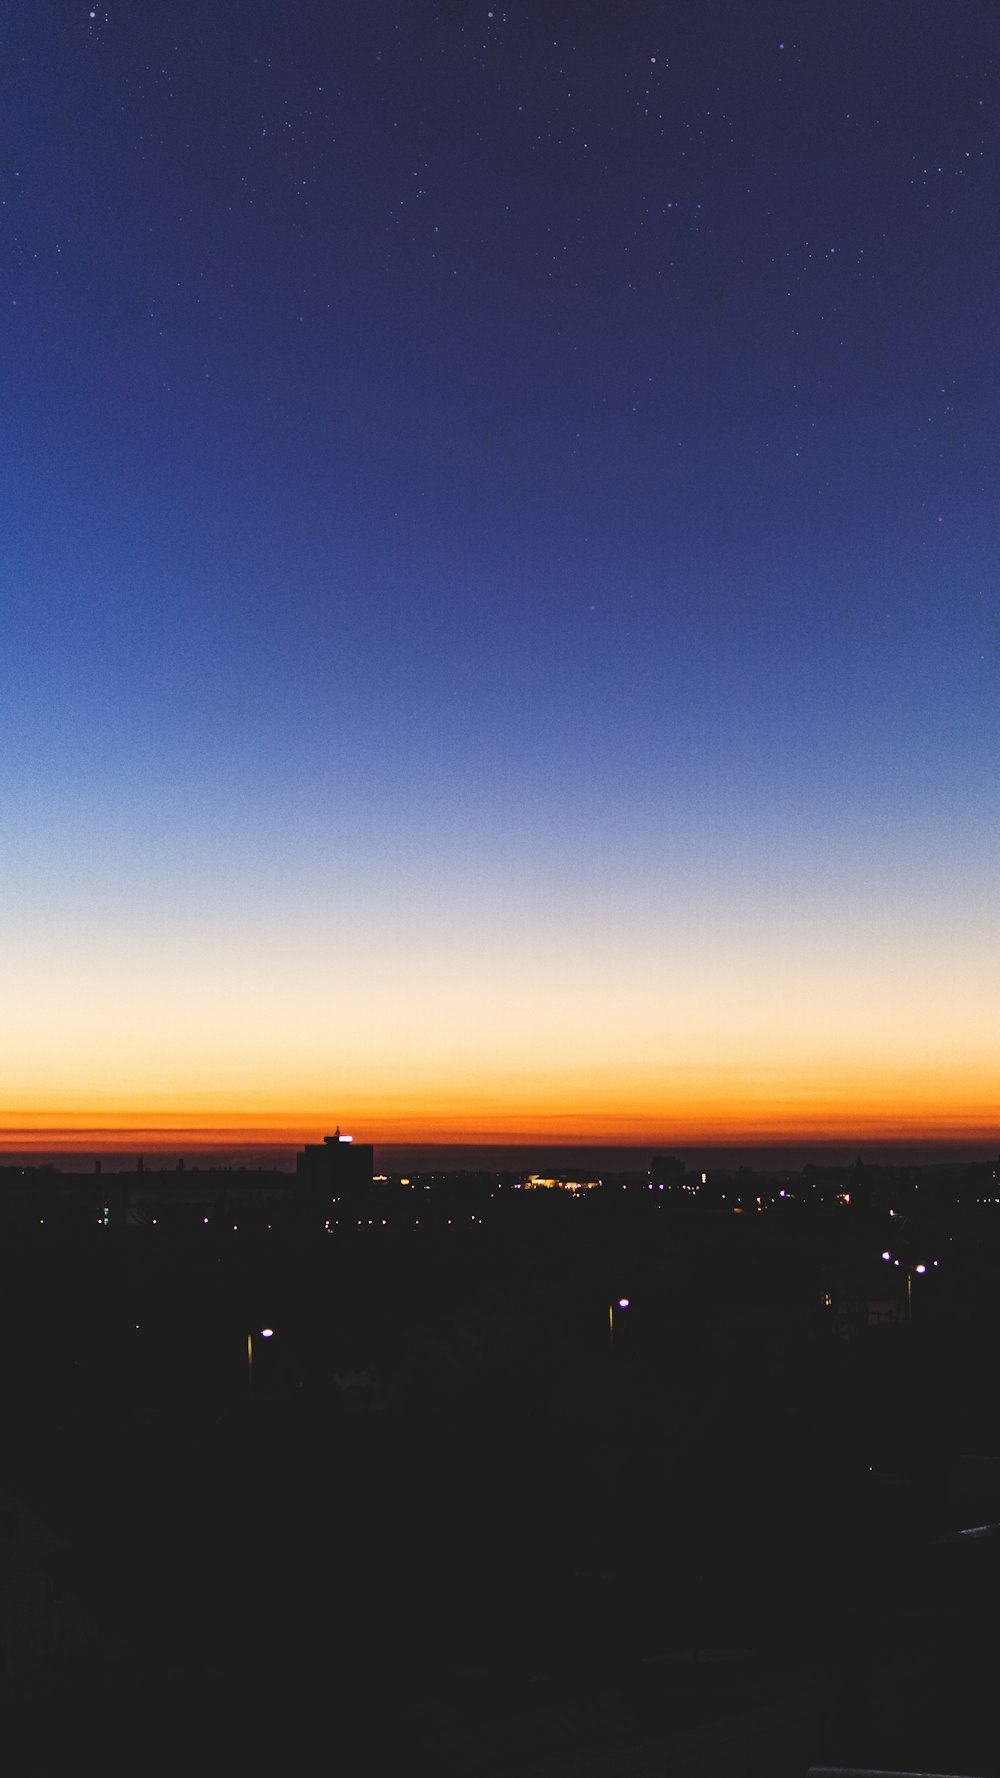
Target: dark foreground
{"x":455,"y":1519}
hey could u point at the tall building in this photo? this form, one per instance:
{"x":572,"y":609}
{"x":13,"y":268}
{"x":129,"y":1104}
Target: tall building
{"x":336,"y":1165}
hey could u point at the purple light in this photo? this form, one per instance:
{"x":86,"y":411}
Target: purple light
{"x":623,"y":1302}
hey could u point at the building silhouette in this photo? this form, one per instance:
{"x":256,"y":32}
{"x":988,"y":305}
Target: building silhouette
{"x":338,"y":1165}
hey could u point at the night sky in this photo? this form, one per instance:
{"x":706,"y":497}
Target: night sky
{"x":501,"y":581}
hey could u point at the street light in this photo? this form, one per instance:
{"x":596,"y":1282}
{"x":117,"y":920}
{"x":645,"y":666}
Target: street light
{"x":622,"y":1303}
{"x":266,"y":1333}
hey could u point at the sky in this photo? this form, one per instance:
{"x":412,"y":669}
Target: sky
{"x":500,"y":577}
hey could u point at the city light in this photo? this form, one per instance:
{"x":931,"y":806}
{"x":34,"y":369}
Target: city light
{"x":560,"y":1182}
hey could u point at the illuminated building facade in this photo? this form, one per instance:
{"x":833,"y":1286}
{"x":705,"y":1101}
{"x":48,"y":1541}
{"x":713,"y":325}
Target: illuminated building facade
{"x":563,"y":1182}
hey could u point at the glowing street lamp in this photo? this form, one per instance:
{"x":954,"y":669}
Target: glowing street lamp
{"x":622,"y":1303}
{"x":266,"y":1333}
{"x":921,"y":1272}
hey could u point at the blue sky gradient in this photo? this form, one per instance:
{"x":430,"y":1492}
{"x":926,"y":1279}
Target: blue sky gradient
{"x":500,"y":559}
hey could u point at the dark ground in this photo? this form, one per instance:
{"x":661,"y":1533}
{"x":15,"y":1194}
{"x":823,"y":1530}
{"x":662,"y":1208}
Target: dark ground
{"x":447,"y":1502}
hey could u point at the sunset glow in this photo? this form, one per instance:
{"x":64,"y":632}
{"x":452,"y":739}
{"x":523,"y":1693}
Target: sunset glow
{"x":500,"y":613}
{"x":712,"y":1026}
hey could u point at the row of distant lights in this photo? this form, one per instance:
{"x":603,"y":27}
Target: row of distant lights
{"x":373,"y":1223}
{"x":266,"y":1333}
{"x":920,"y":1268}
{"x":204,"y":1221}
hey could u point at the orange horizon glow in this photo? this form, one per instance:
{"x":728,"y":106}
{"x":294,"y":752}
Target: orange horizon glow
{"x":577,"y":1099}
{"x":802,"y":1020}
{"x":740,"y":1119}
